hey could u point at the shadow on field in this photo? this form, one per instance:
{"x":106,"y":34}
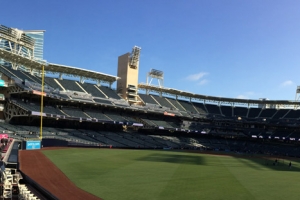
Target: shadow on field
{"x":174,"y":158}
{"x":259,"y":162}
{"x":279,"y":164}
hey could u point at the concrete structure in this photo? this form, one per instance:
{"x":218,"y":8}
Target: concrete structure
{"x":128,"y":71}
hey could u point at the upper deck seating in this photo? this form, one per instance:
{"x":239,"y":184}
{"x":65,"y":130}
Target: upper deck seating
{"x":292,"y":114}
{"x":102,"y":101}
{"x":97,"y":115}
{"x":200,"y":108}
{"x":51,"y":82}
{"x":240,"y":111}
{"x":90,"y":88}
{"x":110,"y":93}
{"x":37,"y":107}
{"x":28,"y":106}
{"x":22,"y":75}
{"x":74,"y":112}
{"x":129,"y":119}
{"x":52,"y":110}
{"x":7,"y":73}
{"x":176,"y":104}
{"x":115,"y":117}
{"x":162,"y":101}
{"x":227,"y":111}
{"x":80,"y":96}
{"x":70,"y":85}
{"x":254,"y":112}
{"x":63,"y":96}
{"x":25,"y":76}
{"x":188,"y":106}
{"x":147,"y":99}
{"x":280,"y":113}
{"x":213,"y":109}
{"x":34,"y":78}
{"x":267,"y":113}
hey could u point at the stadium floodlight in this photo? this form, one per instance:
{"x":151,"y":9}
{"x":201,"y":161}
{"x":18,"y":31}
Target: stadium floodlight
{"x":157,"y":74}
{"x":297,"y":96}
{"x":135,"y":57}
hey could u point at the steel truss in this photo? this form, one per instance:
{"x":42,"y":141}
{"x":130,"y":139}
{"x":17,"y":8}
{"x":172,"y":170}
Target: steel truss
{"x":11,"y":110}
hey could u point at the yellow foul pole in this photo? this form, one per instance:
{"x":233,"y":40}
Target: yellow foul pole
{"x":42,"y":104}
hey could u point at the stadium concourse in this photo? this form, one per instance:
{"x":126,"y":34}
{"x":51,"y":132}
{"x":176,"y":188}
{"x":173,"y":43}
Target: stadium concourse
{"x":86,"y":111}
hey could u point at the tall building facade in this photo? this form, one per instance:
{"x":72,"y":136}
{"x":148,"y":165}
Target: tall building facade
{"x":28,"y":44}
{"x":38,"y":36}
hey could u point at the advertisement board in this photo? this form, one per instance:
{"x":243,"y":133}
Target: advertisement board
{"x":3,"y":136}
{"x":33,"y":145}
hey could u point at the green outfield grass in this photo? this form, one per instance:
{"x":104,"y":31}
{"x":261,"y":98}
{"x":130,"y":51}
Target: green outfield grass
{"x":152,"y":174}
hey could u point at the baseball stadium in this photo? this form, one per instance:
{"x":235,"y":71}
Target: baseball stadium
{"x":72,"y":133}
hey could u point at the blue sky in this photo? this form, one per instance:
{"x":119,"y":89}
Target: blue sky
{"x":241,"y":49}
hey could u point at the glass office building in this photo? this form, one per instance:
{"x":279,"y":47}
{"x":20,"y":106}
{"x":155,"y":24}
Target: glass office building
{"x":38,"y":36}
{"x":35,"y":39}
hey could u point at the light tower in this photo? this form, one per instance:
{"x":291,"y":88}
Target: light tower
{"x":297,"y":96}
{"x":128,"y":71}
{"x":155,"y":74}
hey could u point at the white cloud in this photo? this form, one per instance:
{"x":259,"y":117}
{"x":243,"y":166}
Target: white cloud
{"x":203,"y":82}
{"x":196,"y":77}
{"x":246,"y":95}
{"x":241,"y":96}
{"x":286,"y":83}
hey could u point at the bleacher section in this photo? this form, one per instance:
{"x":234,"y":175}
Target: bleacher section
{"x":51,"y":82}
{"x":115,"y":117}
{"x":280,"y":113}
{"x":102,"y":101}
{"x":8,"y":71}
{"x":240,"y":111}
{"x":109,"y":92}
{"x":97,"y":115}
{"x":292,"y":114}
{"x":213,"y":109}
{"x":267,"y":113}
{"x":74,"y":112}
{"x":200,"y":108}
{"x":188,"y":106}
{"x":162,"y":101}
{"x":147,"y":99}
{"x":176,"y":104}
{"x":227,"y":111}
{"x":37,"y":108}
{"x":254,"y":112}
{"x":70,"y":85}
{"x":138,"y":140}
{"x":90,"y":88}
{"x":161,"y":123}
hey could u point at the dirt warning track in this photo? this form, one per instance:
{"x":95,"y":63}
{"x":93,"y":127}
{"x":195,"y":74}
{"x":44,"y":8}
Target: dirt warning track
{"x":39,"y":168}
